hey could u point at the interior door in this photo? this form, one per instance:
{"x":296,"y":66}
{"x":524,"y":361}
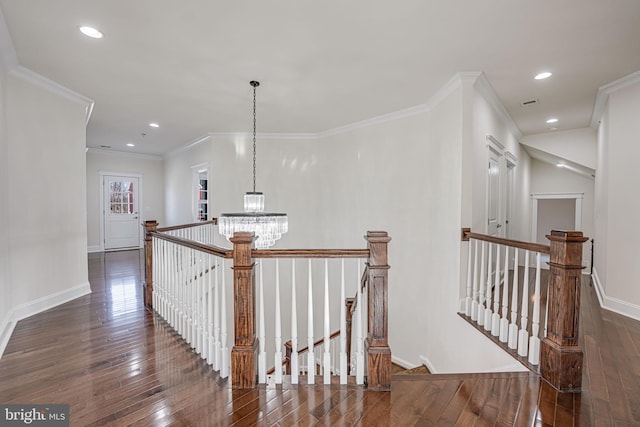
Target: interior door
{"x":122,"y":225}
{"x":494,"y":207}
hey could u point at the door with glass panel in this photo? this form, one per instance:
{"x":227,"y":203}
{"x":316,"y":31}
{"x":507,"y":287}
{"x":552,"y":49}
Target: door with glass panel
{"x":122,"y":226}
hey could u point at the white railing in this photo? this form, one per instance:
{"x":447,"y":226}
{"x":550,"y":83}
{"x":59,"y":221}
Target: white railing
{"x":190,"y":289}
{"x":203,"y":232}
{"x":505,"y":293}
{"x":317,"y":289}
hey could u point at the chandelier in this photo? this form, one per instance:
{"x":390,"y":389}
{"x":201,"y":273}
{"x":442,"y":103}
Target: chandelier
{"x":268,"y":227}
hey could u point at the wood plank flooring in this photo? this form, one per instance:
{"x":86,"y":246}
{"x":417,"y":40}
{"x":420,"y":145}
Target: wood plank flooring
{"x":116,"y":364}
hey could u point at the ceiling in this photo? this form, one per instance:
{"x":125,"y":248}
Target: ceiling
{"x":187,"y":64}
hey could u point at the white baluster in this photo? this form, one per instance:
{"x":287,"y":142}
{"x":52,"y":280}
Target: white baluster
{"x":224,"y":350}
{"x":495,"y":318}
{"x":487,"y":310}
{"x":481,"y":290}
{"x":523,"y":336}
{"x":504,"y":321}
{"x":343,"y":329}
{"x":467,"y":303}
{"x":327,"y":327}
{"x":513,"y":327}
{"x":295,"y":370}
{"x":488,"y":313}
{"x":211,"y":290}
{"x":262,"y":354}
{"x":474,"y":302}
{"x":534,"y":340}
{"x":278,"y":354}
{"x":359,"y":327}
{"x":216,"y":317}
{"x":311,"y":363}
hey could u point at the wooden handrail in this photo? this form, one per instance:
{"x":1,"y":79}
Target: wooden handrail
{"x":535,"y":247}
{"x":210,"y":249}
{"x":310,"y":253}
{"x":214,"y":221}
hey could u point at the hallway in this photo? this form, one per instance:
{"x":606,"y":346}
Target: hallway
{"x":117,"y":364}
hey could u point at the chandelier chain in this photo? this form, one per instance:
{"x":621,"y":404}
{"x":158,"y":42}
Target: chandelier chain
{"x":254,"y":139}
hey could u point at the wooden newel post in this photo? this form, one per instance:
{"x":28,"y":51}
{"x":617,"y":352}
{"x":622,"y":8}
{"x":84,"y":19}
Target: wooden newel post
{"x":560,"y":352}
{"x":149,"y":227}
{"x":377,"y":344}
{"x":244,"y":352}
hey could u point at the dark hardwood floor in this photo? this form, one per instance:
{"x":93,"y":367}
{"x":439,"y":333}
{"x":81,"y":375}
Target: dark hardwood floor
{"x":116,"y":364}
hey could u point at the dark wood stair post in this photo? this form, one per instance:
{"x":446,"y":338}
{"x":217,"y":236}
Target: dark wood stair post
{"x":560,"y":353}
{"x":149,"y":227}
{"x":244,"y":352}
{"x":377,"y":344}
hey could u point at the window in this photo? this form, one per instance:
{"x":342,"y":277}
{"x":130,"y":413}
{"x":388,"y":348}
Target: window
{"x":121,"y":197}
{"x":203,"y":197}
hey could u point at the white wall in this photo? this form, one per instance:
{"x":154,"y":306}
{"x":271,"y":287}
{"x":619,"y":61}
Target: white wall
{"x":402,"y":175}
{"x":151,"y":168}
{"x":576,"y":145}
{"x":45,"y":193}
{"x":5,"y":279}
{"x":618,"y":206}
{"x":550,"y":179}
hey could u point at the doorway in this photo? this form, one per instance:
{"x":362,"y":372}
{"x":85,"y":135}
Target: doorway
{"x":121,"y":225}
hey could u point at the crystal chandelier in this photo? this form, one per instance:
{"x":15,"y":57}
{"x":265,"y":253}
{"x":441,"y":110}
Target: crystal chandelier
{"x":268,"y":227}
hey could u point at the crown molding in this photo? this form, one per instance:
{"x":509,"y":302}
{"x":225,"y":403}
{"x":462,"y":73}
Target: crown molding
{"x":189,"y":145}
{"x":124,"y":153}
{"x":486,"y":90}
{"x":42,"y":82}
{"x":608,"y":89}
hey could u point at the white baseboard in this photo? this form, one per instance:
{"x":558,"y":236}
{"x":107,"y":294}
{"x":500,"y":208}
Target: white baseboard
{"x":8,"y":324}
{"x":36,"y":306}
{"x":614,"y":304}
{"x":426,"y":362}
{"x":402,"y":362}
{"x":92,"y":249}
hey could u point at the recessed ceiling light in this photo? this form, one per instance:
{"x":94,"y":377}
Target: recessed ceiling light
{"x":131,"y":145}
{"x":154,"y":125}
{"x":542,"y":76}
{"x":552,"y":120}
{"x":91,"y":32}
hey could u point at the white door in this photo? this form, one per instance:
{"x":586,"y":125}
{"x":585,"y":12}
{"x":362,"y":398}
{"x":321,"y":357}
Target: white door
{"x":122,"y":225}
{"x":494,"y":207}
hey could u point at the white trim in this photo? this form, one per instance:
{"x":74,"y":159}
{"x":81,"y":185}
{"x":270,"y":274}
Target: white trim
{"x":608,"y":89}
{"x":195,"y":196}
{"x":426,"y":362}
{"x":401,"y":362}
{"x":495,"y":145}
{"x":37,"y":306}
{"x":489,"y":94}
{"x":453,"y":84}
{"x":534,"y":209}
{"x":8,"y":325}
{"x":49,"y":85}
{"x":93,"y":249}
{"x":616,"y":305}
{"x":101,"y":175}
{"x":197,"y":141}
{"x":124,"y":153}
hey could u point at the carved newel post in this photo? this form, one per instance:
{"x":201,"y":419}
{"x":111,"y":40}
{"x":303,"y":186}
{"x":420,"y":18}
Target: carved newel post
{"x":560,"y":353}
{"x":244,"y":352}
{"x":149,"y":227}
{"x":376,"y":344}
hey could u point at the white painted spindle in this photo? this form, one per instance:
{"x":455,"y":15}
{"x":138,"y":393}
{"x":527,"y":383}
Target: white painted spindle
{"x":278,"y":338}
{"x":224,"y":350}
{"x":326,"y":360}
{"x":487,"y":310}
{"x":495,"y":318}
{"x":504,"y":321}
{"x":359,"y":328}
{"x":523,"y":336}
{"x":262,"y":354}
{"x":467,"y":304}
{"x":534,"y":340}
{"x":343,"y":328}
{"x":474,"y":302}
{"x":295,"y":370}
{"x":216,"y":317}
{"x":311,"y":362}
{"x":513,"y":327}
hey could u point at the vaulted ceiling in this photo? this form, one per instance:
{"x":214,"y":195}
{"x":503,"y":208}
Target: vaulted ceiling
{"x":187,"y":64}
